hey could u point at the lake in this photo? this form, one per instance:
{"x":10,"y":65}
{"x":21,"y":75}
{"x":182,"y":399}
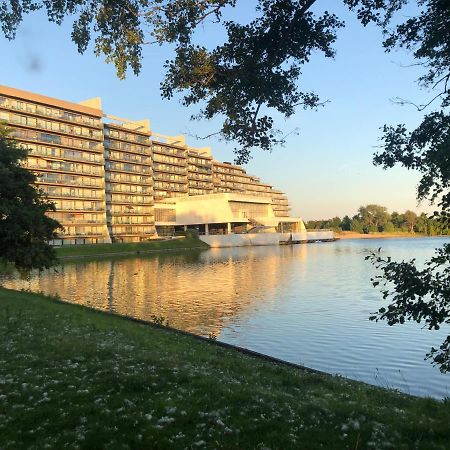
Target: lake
{"x":308,"y":304}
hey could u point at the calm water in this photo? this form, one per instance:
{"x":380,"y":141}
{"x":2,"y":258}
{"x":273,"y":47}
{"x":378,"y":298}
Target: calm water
{"x":308,"y":304}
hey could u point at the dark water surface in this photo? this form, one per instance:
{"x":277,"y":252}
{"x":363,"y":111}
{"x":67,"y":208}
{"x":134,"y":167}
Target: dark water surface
{"x":308,"y":304}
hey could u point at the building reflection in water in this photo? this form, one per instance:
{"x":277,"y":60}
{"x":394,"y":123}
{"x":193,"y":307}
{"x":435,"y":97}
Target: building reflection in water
{"x":197,"y":291}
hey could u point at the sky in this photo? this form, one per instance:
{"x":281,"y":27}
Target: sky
{"x":325,"y":167}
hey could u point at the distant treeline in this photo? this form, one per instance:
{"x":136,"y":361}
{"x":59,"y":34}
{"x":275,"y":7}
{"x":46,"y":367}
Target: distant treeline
{"x":376,"y":218}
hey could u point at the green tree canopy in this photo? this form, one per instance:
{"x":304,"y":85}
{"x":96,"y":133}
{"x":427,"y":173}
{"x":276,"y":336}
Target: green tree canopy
{"x":421,"y":295}
{"x":24,"y":227}
{"x":257,"y":67}
{"x":346,"y":223}
{"x":253,"y":71}
{"x":373,"y":215}
{"x":410,"y":220}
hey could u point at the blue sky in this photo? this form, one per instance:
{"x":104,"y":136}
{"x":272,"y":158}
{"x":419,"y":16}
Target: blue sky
{"x":326,"y":168}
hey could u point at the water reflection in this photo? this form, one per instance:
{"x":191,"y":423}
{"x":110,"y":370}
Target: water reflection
{"x":196,"y":291}
{"x":308,"y":304}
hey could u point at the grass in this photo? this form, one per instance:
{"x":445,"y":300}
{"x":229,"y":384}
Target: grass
{"x":73,"y":378}
{"x":129,"y":247}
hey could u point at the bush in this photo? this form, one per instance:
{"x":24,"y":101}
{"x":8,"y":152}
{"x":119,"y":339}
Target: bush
{"x":190,"y":233}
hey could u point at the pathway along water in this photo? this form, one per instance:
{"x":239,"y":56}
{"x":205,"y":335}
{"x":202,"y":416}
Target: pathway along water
{"x":307,"y":304}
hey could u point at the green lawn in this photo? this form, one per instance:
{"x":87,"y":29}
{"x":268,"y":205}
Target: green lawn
{"x":132,"y":247}
{"x":74,"y":378}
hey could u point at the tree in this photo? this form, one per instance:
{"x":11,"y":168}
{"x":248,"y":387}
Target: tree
{"x":389,"y":227}
{"x":411,"y":220}
{"x":423,"y":224}
{"x":25,"y":229}
{"x":356,"y":225}
{"x":398,"y":219}
{"x":346,"y":223}
{"x":335,"y":223}
{"x":420,"y":295}
{"x":255,"y":70}
{"x":373,"y":217}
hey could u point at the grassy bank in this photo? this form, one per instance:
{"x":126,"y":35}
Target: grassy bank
{"x":74,"y":378}
{"x":129,"y":248}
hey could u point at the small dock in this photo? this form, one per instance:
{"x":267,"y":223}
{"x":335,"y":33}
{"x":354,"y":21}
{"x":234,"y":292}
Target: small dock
{"x":309,"y":237}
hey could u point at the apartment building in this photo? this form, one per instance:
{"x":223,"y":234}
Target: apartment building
{"x":65,"y":141}
{"x":200,"y":171}
{"x":114,"y":180}
{"x":280,"y":203}
{"x":228,"y":177}
{"x":170,"y":169}
{"x":129,"y":181}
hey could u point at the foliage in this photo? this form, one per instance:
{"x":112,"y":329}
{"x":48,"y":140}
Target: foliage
{"x":256,"y":68}
{"x":417,"y":295}
{"x":420,"y":295}
{"x":356,"y":225}
{"x":376,"y":218}
{"x":346,"y":223}
{"x":25,"y":229}
{"x":410,"y":220}
{"x":373,"y":217}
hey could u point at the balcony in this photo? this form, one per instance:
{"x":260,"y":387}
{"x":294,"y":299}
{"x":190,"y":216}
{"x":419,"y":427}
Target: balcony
{"x":55,"y":140}
{"x":30,"y":108}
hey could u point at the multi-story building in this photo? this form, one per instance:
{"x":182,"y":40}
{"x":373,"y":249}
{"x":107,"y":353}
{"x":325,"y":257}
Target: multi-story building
{"x":65,"y":141}
{"x":280,"y":203}
{"x":129,"y":181}
{"x":200,"y":172}
{"x":170,"y":169}
{"x":112,"y":179}
{"x":228,"y":177}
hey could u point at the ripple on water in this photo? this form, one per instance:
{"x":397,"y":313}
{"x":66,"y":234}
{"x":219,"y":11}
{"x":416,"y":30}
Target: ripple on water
{"x":308,"y":304}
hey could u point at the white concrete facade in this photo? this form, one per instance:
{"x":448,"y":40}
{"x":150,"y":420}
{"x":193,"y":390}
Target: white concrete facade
{"x":227,"y":208}
{"x":250,"y":239}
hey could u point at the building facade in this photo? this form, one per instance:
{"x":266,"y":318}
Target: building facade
{"x":65,"y":141}
{"x":114,"y":180}
{"x":129,"y":181}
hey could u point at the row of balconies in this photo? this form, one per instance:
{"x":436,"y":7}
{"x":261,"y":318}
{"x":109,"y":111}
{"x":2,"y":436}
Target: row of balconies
{"x":169,"y":151}
{"x":31,"y":108}
{"x":142,"y":161}
{"x":61,"y":167}
{"x":126,"y":136}
{"x":130,"y":189}
{"x":166,"y":187}
{"x":199,"y":170}
{"x":54,"y":139}
{"x":200,"y":177}
{"x":157,"y":167}
{"x":127,"y":147}
{"x":169,"y":160}
{"x":55,"y":127}
{"x":167,"y":177}
{"x":61,"y":180}
{"x":50,"y":154}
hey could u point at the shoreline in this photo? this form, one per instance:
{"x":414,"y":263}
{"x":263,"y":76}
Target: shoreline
{"x":104,"y":381}
{"x":352,"y":235}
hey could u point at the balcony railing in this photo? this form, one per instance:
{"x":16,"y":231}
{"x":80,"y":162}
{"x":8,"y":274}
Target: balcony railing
{"x":50,"y":112}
